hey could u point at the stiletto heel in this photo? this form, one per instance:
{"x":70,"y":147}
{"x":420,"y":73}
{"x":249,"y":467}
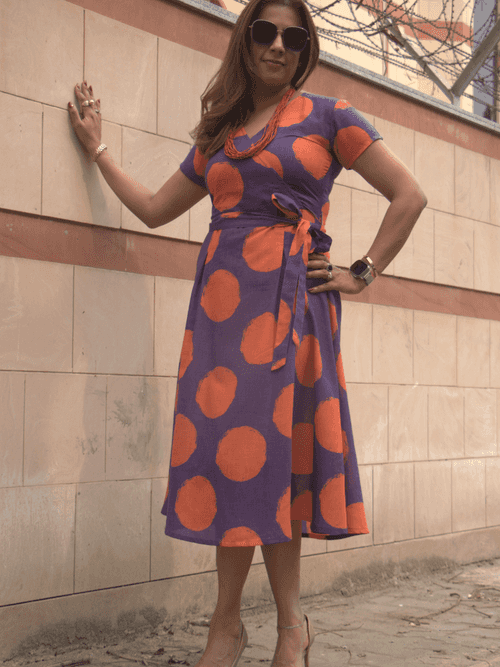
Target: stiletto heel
{"x":309,"y":640}
{"x":242,"y":645}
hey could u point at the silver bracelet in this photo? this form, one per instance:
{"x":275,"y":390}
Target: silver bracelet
{"x":98,"y":151}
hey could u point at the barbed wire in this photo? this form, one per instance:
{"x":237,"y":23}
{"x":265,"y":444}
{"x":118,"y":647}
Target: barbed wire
{"x":446,"y":35}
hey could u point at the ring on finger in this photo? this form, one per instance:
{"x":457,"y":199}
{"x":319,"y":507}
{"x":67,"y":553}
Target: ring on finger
{"x":87,"y":103}
{"x":330,"y":275}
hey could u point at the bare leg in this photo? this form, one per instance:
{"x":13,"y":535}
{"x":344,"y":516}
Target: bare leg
{"x":233,"y":564}
{"x":283,"y":568}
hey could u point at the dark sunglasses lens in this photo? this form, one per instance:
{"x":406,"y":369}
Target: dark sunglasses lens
{"x":264,"y":32}
{"x":295,"y":39}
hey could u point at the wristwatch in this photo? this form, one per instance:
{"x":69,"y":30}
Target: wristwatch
{"x":364,"y":269}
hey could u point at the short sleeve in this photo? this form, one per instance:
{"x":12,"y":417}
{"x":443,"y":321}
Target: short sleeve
{"x":353,"y":133}
{"x":194,"y":167}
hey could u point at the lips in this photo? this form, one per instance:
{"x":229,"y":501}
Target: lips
{"x":275,"y":62}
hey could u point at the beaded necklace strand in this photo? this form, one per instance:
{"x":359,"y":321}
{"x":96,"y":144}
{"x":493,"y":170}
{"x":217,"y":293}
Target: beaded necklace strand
{"x":269,"y":133}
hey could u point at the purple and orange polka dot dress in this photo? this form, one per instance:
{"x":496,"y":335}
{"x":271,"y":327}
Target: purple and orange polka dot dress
{"x":262,"y":434}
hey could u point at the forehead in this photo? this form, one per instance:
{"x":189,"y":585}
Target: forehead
{"x":280,"y":15}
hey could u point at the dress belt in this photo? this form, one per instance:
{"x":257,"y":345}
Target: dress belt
{"x":293,"y":288}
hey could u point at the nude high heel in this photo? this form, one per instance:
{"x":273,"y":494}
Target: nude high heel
{"x":242,"y":645}
{"x":309,"y":640}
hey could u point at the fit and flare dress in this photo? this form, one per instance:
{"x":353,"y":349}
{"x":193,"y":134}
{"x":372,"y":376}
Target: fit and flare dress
{"x":262,"y":433}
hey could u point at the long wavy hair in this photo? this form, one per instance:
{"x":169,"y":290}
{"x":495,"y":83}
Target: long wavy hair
{"x":227,"y":100}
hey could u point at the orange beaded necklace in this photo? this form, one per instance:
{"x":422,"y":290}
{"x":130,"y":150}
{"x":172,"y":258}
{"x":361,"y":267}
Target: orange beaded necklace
{"x":269,"y":133}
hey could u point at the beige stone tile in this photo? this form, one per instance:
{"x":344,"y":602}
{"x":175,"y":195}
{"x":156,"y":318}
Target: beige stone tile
{"x":351,"y":178}
{"x":494,"y":353}
{"x":472,"y":184}
{"x":356,"y":341}
{"x":492,"y":492}
{"x":139,"y":426}
{"x":454,"y":246}
{"x":392,"y":345}
{"x":113,"y":533}
{"x":183,"y":75}
{"x":494,"y":192}
{"x":64,"y":428}
{"x":473,"y":343}
{"x":432,"y":498}
{"x":338,"y":226}
{"x":481,"y":422}
{"x":11,"y":429}
{"x":436,"y":177}
{"x":416,"y":259}
{"x":435,"y":348}
{"x":171,"y":296}
{"x":369,"y":406}
{"x":37,"y":542}
{"x":446,"y":422}
{"x":366,"y":219}
{"x":393,"y":503}
{"x":73,"y":187}
{"x":113,"y":322}
{"x":356,"y":541}
{"x":41,"y":49}
{"x":399,"y":139}
{"x":468,"y":494}
{"x":36,"y":313}
{"x":151,"y":160}
{"x":121,"y":66}
{"x":407,"y":423}
{"x":486,"y":253}
{"x":170,"y":557}
{"x":200,"y":216}
{"x":21,"y":151}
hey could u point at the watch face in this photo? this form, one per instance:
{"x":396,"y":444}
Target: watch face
{"x":358,"y":267}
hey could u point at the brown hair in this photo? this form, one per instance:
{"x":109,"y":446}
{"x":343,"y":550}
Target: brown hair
{"x":227,"y":102}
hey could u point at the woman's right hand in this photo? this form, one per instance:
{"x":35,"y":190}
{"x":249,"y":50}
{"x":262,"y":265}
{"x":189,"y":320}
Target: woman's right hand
{"x":87,"y":123}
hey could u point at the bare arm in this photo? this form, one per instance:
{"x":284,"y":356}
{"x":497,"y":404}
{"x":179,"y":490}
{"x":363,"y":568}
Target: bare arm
{"x":381,"y":168}
{"x":175,"y":197}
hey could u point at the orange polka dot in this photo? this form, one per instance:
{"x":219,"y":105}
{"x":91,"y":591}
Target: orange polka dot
{"x":328,"y":426}
{"x":240,"y":537}
{"x":356,"y":518}
{"x":306,"y":307}
{"x":183,"y":440}
{"x":216,"y":392}
{"x":340,"y":371}
{"x":342,"y":104}
{"x":284,"y":319}
{"x":313,"y":153}
{"x":176,"y":398}
{"x":196,"y":503}
{"x":269,"y":160}
{"x":168,"y":488}
{"x":345,"y":446}
{"x":231,"y":214}
{"x":241,"y":453}
{"x":296,"y":111}
{"x":199,"y":162}
{"x":333,"y":318}
{"x":186,"y":352}
{"x":296,"y":339}
{"x":308,"y":364}
{"x":302,"y":507}
{"x":221,"y":295}
{"x":332,"y":502}
{"x":349,"y":143}
{"x":283,"y":513}
{"x":302,"y":449}
{"x":226,"y":185}
{"x":283,"y":411}
{"x":212,"y":246}
{"x":263,"y":248}
{"x":257,"y":344}
{"x":325,"y":209}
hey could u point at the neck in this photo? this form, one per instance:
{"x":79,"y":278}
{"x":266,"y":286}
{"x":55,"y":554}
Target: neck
{"x":265,"y":96}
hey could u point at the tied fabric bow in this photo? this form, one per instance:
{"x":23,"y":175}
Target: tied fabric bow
{"x":293,"y":290}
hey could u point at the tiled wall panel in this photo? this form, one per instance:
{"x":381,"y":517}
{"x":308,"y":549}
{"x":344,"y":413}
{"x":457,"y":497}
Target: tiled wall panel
{"x":446,"y":422}
{"x":338,"y":225}
{"x":468,"y":509}
{"x":486,"y":253}
{"x":473,"y":344}
{"x":454,"y":246}
{"x":494,"y":192}
{"x":369,"y":410}
{"x":393,"y":342}
{"x":416,"y":258}
{"x":407,"y":423}
{"x":393,"y":498}
{"x":481,"y":422}
{"x":11,"y":429}
{"x":436,"y":177}
{"x":472,"y":184}
{"x":432,"y":498}
{"x":435,"y":348}
{"x":171,"y":298}
{"x":37,"y":554}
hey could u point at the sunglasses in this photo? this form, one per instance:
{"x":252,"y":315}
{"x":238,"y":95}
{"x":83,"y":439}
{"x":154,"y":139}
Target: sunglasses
{"x":294,"y":38}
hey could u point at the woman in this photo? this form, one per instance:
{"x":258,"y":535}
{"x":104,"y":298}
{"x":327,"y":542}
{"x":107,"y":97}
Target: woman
{"x":262,"y":452}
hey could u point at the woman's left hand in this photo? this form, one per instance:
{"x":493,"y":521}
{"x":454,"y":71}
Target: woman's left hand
{"x":342,"y":280}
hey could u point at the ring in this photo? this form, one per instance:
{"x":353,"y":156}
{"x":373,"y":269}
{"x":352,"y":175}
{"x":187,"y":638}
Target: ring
{"x":330,"y":275}
{"x":87,"y":103}
{"x":97,"y":110}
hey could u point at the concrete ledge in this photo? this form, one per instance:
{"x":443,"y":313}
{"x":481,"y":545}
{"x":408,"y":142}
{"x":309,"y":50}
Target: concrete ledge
{"x":99,"y":615}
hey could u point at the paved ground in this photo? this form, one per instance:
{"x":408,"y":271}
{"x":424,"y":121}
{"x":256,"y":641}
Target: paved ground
{"x":447,"y":617}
